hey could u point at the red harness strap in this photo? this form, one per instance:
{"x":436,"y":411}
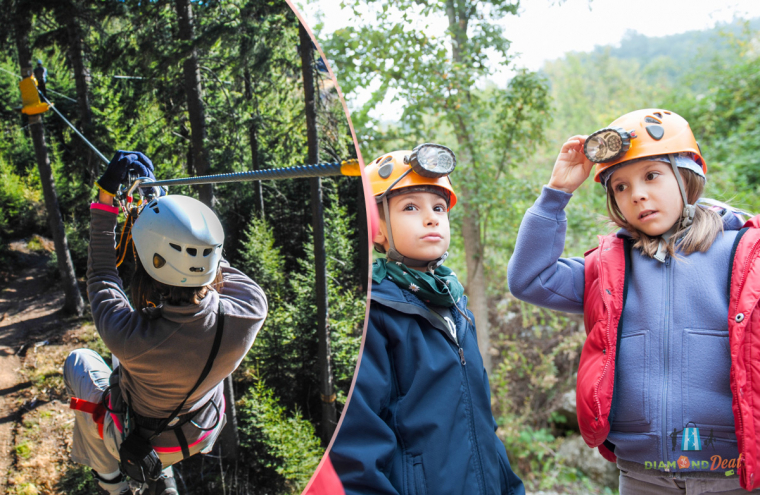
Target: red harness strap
{"x":98,"y":411}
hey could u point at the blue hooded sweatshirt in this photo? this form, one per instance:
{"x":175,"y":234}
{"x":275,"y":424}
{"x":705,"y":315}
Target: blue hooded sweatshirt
{"x":419,"y":420}
{"x":673,"y":361}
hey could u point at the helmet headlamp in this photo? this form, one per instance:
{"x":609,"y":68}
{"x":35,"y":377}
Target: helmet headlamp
{"x":608,"y":144}
{"x":432,"y":160}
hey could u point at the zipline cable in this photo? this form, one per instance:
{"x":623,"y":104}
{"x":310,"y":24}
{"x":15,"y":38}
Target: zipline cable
{"x":347,"y":167}
{"x":92,"y":147}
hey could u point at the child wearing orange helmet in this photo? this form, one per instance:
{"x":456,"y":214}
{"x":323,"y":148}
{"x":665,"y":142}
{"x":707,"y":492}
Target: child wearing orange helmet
{"x":419,"y":416}
{"x":662,"y":378}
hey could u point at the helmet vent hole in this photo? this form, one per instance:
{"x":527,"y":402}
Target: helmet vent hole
{"x":175,"y":247}
{"x":191,"y":251}
{"x":158,"y":260}
{"x":652,"y":120}
{"x":155,"y":209}
{"x":206,"y":252}
{"x":656,"y":131}
{"x":196,"y":269}
{"x":666,"y":112}
{"x":385,"y":170}
{"x":658,"y":115}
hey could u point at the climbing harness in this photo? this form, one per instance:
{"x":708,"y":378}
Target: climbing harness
{"x":139,"y":460}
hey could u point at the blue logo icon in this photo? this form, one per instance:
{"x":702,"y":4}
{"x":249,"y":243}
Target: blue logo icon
{"x":691,"y":440}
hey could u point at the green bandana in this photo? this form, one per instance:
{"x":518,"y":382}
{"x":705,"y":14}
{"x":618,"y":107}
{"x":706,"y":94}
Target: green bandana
{"x":432,"y":289}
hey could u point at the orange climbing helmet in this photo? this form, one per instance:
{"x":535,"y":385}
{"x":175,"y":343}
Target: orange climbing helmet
{"x":428,"y":165}
{"x":425,"y":168}
{"x":640,"y":134}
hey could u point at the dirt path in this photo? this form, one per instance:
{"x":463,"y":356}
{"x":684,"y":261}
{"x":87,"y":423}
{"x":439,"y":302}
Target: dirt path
{"x":35,"y":337}
{"x":24,"y":303}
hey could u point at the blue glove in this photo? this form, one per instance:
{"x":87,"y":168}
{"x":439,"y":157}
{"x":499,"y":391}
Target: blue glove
{"x":121,"y":165}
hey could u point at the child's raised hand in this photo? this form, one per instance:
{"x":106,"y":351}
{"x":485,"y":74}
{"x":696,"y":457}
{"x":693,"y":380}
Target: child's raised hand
{"x":572,"y":167}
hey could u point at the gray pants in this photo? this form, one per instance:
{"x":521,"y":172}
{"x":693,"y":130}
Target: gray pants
{"x":86,"y":377}
{"x":634,"y":483}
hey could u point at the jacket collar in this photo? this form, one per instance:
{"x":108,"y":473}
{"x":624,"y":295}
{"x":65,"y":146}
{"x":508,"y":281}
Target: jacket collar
{"x":392,"y":296}
{"x":186,"y":313}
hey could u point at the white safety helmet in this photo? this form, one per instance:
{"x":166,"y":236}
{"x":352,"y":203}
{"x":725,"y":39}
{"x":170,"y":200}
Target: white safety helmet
{"x":179,"y":241}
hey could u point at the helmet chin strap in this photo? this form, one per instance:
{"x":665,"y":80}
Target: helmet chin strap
{"x":687,"y":216}
{"x":394,"y":255}
{"x":662,"y":248}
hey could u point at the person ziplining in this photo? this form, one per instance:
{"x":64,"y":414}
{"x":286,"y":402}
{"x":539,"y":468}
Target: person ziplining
{"x":187,"y":306}
{"x":40,"y":73}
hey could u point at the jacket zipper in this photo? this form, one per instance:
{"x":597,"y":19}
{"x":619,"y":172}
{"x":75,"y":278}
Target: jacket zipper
{"x":664,"y":414}
{"x":736,"y":308}
{"x":597,"y":402}
{"x":463,"y":362}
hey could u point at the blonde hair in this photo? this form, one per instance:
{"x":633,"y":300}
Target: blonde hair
{"x":699,"y":237}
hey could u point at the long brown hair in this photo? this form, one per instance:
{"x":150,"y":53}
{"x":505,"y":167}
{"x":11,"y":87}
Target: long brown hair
{"x":147,"y":291}
{"x":700,"y":236}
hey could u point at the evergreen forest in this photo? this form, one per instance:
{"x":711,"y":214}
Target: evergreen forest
{"x":200,"y":88}
{"x":506,"y":140}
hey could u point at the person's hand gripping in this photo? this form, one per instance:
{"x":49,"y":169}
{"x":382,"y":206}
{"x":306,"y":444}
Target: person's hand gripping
{"x":572,"y":167}
{"x":122,"y":163}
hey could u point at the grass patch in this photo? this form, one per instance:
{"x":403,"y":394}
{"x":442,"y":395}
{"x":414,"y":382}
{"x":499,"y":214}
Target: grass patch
{"x":91,"y":340}
{"x":23,"y":450}
{"x":78,"y":480}
{"x":51,"y":380}
{"x":39,"y":245}
{"x":26,"y":489}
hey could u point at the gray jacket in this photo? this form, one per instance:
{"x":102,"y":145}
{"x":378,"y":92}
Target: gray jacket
{"x":162,"y":351}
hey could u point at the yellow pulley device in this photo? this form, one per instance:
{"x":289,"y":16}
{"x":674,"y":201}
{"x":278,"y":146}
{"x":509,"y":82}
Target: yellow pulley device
{"x":30,"y":98}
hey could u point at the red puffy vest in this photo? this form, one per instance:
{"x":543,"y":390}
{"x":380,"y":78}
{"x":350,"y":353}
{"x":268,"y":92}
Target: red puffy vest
{"x":606,"y":273}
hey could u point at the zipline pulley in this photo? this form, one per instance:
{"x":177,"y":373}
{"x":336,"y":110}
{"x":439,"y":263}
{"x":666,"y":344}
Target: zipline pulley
{"x":30,"y":97}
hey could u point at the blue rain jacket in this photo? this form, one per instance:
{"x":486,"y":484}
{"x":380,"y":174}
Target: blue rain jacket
{"x":419,"y":420}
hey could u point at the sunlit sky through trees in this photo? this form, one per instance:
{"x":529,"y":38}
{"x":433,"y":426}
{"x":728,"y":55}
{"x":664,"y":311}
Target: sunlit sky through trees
{"x":547,"y":29}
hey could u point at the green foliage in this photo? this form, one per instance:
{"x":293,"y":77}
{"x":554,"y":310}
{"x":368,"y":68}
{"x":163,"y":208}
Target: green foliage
{"x":726,"y":119}
{"x":491,"y":130}
{"x":260,"y":258}
{"x":20,"y":208}
{"x":285,"y":354}
{"x":675,"y":56}
{"x":287,"y":441}
{"x":538,"y":354}
{"x":78,"y":480}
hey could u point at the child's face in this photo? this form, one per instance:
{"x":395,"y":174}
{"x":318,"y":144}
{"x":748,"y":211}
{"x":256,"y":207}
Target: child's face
{"x":420,"y":226}
{"x":648,"y":196}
